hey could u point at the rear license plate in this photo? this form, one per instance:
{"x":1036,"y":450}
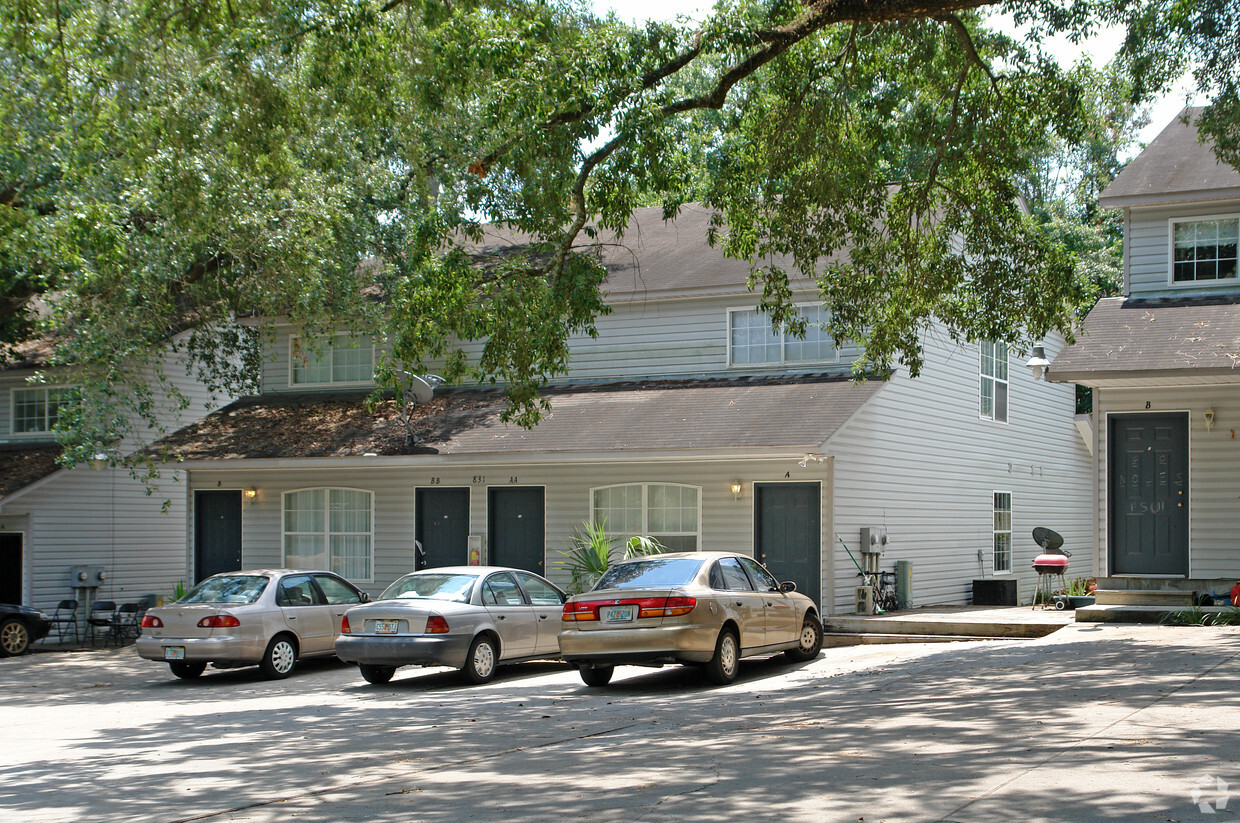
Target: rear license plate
{"x":618,"y":614}
{"x":386,"y":626}
{"x":174,"y":652}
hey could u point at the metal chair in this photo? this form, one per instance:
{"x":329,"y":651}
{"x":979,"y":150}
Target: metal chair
{"x":64,"y":617}
{"x":127,"y":622}
{"x":102,"y":616}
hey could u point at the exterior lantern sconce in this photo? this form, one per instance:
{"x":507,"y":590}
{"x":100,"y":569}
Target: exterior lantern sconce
{"x":736,"y":489}
{"x":1038,"y":363}
{"x":1209,"y":420}
{"x":810,"y":458}
{"x":251,"y":494}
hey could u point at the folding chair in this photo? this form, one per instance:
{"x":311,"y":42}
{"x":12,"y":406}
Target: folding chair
{"x":126,"y":626}
{"x":102,"y":616}
{"x":64,"y":617}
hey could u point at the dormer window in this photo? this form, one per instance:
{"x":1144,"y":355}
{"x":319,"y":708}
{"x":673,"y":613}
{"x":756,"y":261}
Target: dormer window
{"x":36,"y":410}
{"x":1204,"y":251}
{"x":751,"y":341}
{"x":339,"y":359}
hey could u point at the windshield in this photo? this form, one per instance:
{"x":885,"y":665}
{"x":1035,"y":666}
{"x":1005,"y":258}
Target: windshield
{"x":432,"y":587}
{"x":229,"y":589}
{"x":653,"y":573}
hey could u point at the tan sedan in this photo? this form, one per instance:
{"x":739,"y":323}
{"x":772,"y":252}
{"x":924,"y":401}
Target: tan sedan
{"x":703,"y":608}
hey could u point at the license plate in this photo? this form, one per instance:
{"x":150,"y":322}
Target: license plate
{"x":618,"y":614}
{"x":386,"y":626}
{"x":174,"y":652}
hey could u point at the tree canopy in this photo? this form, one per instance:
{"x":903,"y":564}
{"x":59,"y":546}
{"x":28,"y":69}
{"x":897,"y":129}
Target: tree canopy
{"x":169,"y":164}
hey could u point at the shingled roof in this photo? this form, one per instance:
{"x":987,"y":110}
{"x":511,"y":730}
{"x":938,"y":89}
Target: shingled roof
{"x":619,"y":417}
{"x":22,"y":465}
{"x":1175,"y":168}
{"x":1126,"y":338}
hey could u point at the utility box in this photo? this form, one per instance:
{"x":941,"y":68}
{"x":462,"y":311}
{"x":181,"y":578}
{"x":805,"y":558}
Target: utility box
{"x":873,"y":540}
{"x":904,"y":584}
{"x":865,"y":600}
{"x":476,"y":546}
{"x":996,"y":591}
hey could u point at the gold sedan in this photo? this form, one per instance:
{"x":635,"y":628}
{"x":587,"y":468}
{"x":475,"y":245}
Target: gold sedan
{"x":700,"y":608}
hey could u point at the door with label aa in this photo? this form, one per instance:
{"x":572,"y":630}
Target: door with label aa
{"x":442,"y":526}
{"x":788,"y":534}
{"x":1147,"y":494}
{"x":516,"y":533}
{"x":217,"y":532}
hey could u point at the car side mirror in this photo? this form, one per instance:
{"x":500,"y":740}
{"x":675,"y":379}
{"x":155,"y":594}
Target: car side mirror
{"x":787,"y":586}
{"x":365,"y":597}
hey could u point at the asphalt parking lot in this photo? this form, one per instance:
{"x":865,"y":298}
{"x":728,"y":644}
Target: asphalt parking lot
{"x":1093,"y":723}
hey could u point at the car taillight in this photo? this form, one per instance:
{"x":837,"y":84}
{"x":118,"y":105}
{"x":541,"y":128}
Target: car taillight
{"x":218,"y":621}
{"x":580,"y":611}
{"x":665,"y":606}
{"x":436,"y":625}
{"x":344,"y":625}
{"x":150,"y":621}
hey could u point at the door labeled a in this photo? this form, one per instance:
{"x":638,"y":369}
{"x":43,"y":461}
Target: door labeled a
{"x":217,"y":532}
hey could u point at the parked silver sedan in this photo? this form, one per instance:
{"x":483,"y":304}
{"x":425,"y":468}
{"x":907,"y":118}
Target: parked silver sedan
{"x":268,"y":617}
{"x":471,"y":618}
{"x":704,"y":608}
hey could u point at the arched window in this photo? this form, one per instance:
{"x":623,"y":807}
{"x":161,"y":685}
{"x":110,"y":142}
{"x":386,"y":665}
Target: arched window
{"x":329,"y":529}
{"x":669,"y":512}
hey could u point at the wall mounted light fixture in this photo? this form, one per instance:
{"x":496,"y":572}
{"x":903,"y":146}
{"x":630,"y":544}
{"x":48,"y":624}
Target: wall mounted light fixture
{"x":251,"y":493}
{"x":736,"y":489}
{"x":1038,"y":363}
{"x":1209,"y":420}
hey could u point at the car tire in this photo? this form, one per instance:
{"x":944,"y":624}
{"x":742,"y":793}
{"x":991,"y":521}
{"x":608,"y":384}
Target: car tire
{"x":481,"y":661}
{"x":376,"y":674}
{"x":722,"y":668}
{"x":280,"y":658}
{"x":186,"y":670}
{"x":14,"y":637}
{"x":809,"y":642}
{"x":596,"y":675}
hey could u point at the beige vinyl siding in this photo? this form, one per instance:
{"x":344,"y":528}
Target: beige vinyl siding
{"x":1148,"y":234}
{"x":919,"y":462}
{"x":1214,"y":469}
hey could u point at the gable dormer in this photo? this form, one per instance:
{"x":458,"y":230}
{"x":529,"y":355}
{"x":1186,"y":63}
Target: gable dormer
{"x":1181,"y":217}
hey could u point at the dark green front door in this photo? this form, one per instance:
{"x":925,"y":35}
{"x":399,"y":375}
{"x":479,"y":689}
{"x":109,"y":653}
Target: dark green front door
{"x":442,"y":526}
{"x":11,"y":568}
{"x":516,"y":534}
{"x":217,"y":532}
{"x":788,"y":533}
{"x":1148,"y":494}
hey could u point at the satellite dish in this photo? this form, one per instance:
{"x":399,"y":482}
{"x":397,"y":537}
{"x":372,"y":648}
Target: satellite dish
{"x":1049,"y":541}
{"x":419,"y":389}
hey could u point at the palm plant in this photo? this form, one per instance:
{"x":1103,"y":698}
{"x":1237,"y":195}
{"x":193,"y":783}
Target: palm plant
{"x":591,"y":551}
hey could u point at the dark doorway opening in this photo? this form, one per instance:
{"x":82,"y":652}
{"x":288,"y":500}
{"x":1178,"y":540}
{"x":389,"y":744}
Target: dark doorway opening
{"x":788,"y":533}
{"x":442,"y":527}
{"x":217,"y":532}
{"x":516,"y":527}
{"x":11,"y":568}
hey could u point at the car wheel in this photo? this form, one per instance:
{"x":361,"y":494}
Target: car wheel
{"x":280,"y":657}
{"x":596,"y":675}
{"x":480,"y":663}
{"x":722,"y":668}
{"x":377,"y":674}
{"x":186,"y":670}
{"x":14,"y":637}
{"x":809,"y":643}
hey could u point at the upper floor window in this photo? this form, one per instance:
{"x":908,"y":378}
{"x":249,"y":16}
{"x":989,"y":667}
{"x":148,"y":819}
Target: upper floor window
{"x":1002,"y":545}
{"x":329,"y":529}
{"x":336,"y":359}
{"x":994,"y":380}
{"x":751,"y":341}
{"x":1204,"y":250}
{"x":36,"y":410}
{"x":667,"y":512}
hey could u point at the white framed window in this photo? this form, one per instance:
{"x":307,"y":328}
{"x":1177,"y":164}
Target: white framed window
{"x":329,"y":528}
{"x":751,"y":341}
{"x":36,"y":410}
{"x":338,"y":359}
{"x":668,"y":512}
{"x":1203,"y":250}
{"x":993,"y":380}
{"x":1002,"y":543}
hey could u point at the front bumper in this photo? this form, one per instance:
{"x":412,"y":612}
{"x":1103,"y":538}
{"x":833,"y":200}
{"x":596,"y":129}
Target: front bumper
{"x":226,"y":649}
{"x":694,"y":643}
{"x":424,"y":650}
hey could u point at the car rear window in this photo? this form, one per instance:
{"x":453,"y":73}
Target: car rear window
{"x":650,"y":573}
{"x":232,"y":589}
{"x":456,"y":587}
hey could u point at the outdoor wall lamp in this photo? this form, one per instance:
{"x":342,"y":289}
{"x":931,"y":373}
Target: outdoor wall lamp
{"x":1209,"y":420}
{"x":736,"y":489}
{"x":805,"y":461}
{"x":251,"y":493}
{"x":1038,"y":363}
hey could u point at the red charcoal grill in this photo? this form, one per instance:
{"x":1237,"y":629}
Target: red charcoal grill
{"x":1050,"y":566}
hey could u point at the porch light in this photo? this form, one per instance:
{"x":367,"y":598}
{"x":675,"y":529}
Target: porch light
{"x":1038,"y":362}
{"x":1209,"y":420}
{"x":251,"y":493}
{"x":736,"y":488}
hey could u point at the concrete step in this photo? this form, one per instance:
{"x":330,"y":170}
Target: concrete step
{"x":1135,"y":613}
{"x":939,"y":626}
{"x":1185,"y":584}
{"x":1168,"y":598}
{"x":834,"y":640}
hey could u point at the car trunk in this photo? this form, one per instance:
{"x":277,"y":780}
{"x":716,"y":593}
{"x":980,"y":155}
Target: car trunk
{"x":182,"y":621}
{"x":624,"y":608}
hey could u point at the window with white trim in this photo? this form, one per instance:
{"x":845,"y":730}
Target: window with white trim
{"x":751,"y":340}
{"x":36,"y":410}
{"x":1002,"y":542}
{"x":340,"y":358}
{"x":993,"y":370}
{"x":329,"y":529}
{"x":668,"y":512}
{"x":1204,"y":250}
